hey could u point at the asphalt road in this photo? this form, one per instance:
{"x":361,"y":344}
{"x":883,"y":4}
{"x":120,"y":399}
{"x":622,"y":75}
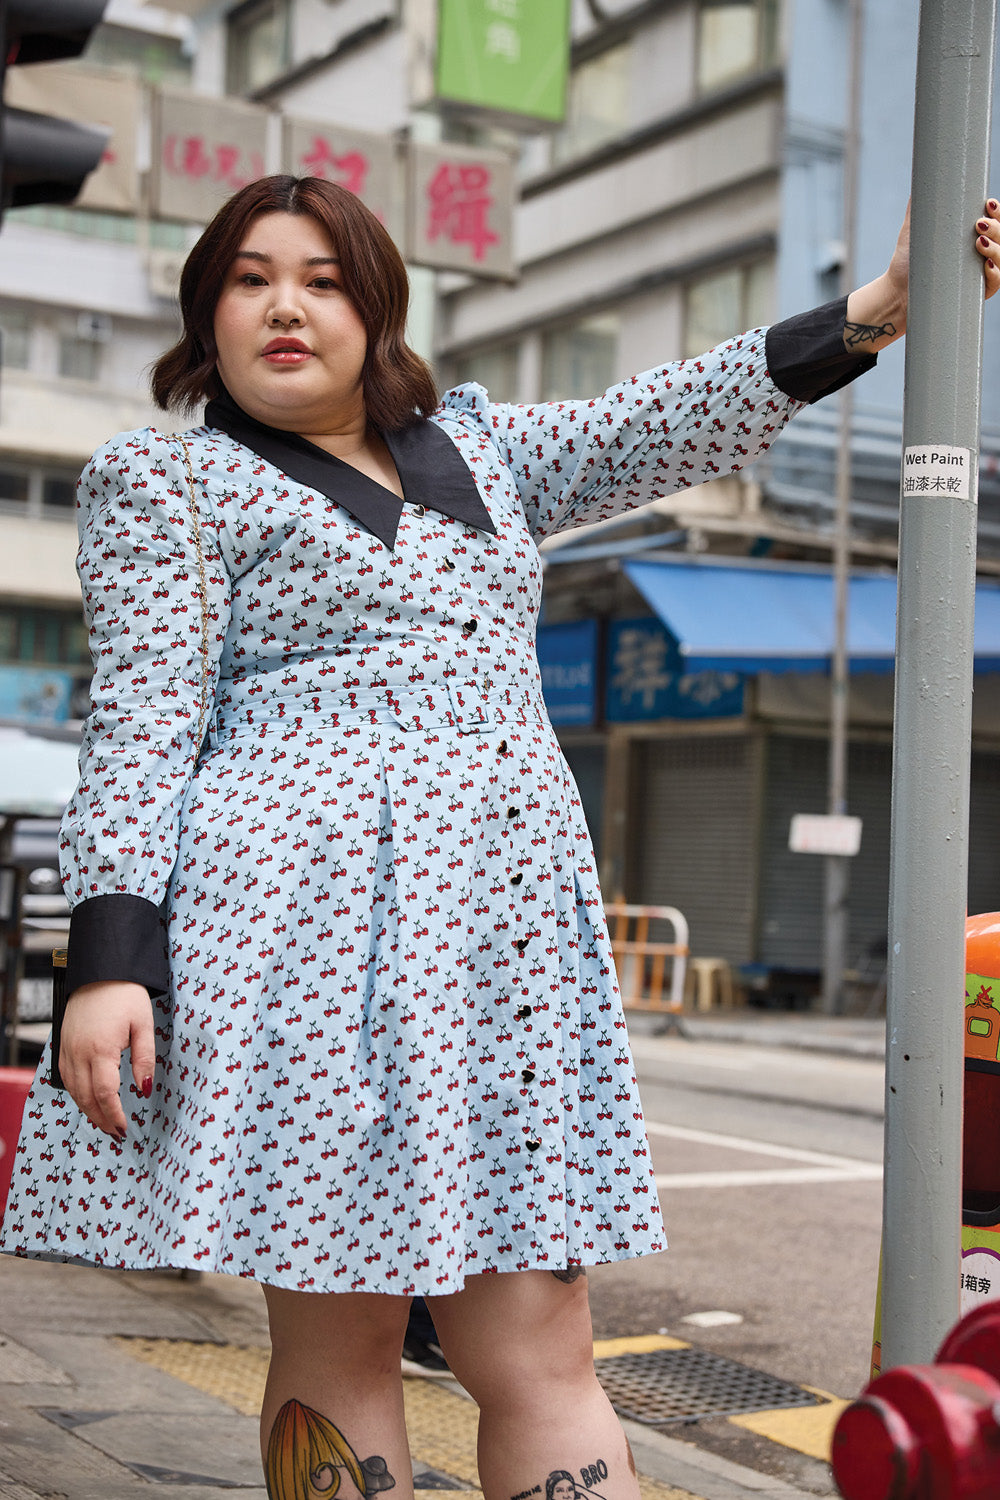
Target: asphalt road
{"x":769,"y":1165}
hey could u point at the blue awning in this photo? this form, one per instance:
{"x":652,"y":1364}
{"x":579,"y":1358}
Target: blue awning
{"x":763,"y":618}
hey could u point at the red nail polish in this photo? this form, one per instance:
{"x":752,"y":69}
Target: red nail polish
{"x":983,"y":240}
{"x":983,"y":224}
{"x":993,"y":205}
{"x":147,"y":1088}
{"x":990,"y":264}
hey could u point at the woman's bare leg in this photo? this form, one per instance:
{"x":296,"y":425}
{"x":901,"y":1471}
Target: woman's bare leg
{"x":332,"y":1419}
{"x":521,"y":1344}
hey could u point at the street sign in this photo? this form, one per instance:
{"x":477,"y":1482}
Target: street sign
{"x":509,"y":57}
{"x":461,"y":210}
{"x":204,"y":149}
{"x":824,"y":833}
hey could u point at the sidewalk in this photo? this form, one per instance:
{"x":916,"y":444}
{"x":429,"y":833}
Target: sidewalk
{"x":844,"y":1036}
{"x":115,"y":1384}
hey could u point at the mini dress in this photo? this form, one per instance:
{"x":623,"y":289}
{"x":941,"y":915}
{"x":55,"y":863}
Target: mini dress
{"x":391,"y":1051}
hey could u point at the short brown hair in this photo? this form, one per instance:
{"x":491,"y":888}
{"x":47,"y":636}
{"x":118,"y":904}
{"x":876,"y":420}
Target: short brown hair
{"x":398,"y":386}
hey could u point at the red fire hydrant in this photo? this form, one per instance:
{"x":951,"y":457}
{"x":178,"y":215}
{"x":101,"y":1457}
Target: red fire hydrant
{"x":928,"y":1432}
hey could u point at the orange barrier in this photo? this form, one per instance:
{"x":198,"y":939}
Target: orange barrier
{"x":641,"y":964}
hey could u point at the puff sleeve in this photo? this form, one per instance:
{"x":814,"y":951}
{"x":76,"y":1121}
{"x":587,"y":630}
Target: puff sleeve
{"x":157,"y":615}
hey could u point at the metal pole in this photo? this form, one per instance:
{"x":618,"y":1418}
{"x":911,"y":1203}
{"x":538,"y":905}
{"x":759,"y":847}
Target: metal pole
{"x":837,"y":872}
{"x":932,"y":736}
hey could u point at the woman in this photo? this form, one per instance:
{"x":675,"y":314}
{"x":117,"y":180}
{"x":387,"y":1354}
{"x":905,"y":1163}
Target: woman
{"x":380,"y":1051}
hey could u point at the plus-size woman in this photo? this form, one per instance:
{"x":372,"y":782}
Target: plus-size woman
{"x":331,"y":883}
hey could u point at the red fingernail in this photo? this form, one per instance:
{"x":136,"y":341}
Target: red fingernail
{"x":120,"y":1136}
{"x":147,"y":1088}
{"x":983,"y":224}
{"x":991,"y":266}
{"x":993,"y":205}
{"x":983,"y":240}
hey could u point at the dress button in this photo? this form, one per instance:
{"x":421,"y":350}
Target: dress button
{"x":513,"y":812}
{"x":470,"y":627}
{"x":522,"y":1013}
{"x":516,"y":879}
{"x":532,"y":1145}
{"x":449,"y":565}
{"x":418,"y":510}
{"x":521,"y":943}
{"x":528,"y":1075}
{"x":502,"y":748}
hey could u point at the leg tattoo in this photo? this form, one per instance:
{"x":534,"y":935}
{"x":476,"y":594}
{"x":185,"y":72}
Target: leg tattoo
{"x":570,"y":1274}
{"x":306,"y":1454}
{"x":562,"y":1485}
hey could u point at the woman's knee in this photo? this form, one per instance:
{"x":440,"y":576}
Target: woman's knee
{"x":363,"y":1331}
{"x":508,"y":1337}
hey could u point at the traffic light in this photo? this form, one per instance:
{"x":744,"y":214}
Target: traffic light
{"x":44,"y":159}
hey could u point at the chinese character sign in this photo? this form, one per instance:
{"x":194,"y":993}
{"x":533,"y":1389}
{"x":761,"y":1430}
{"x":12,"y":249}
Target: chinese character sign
{"x":646,"y":678}
{"x":567,"y":658}
{"x":358,"y":160}
{"x":461,"y":210}
{"x":203,"y":150}
{"x":98,"y":97}
{"x":508,"y":57}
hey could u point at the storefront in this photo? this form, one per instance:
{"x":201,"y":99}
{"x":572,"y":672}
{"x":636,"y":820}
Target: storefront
{"x":692,"y":755}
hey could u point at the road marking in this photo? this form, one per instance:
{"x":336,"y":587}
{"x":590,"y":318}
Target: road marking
{"x":767,"y":1177}
{"x":637,"y":1343}
{"x":759,"y":1148}
{"x":807,"y":1429}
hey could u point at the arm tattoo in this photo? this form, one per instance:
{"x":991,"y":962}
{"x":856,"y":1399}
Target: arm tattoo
{"x":306,"y":1452}
{"x":856,"y":334}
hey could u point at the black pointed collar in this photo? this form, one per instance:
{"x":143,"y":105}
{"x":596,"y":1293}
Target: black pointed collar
{"x":432,"y":471}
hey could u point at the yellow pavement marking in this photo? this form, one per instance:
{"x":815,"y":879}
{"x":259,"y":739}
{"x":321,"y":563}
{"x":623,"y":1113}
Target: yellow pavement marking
{"x":642,"y":1343}
{"x":236,"y":1375}
{"x":442,"y":1428}
{"x":807,"y":1429}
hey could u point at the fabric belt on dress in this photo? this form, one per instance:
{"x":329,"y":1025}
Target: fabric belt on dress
{"x":466,"y":706}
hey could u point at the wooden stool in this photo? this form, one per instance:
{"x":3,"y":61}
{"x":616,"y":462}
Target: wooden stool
{"x":711,"y":982}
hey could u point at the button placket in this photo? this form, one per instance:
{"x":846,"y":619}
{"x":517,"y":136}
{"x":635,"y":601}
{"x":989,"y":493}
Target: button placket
{"x":531,"y":1131}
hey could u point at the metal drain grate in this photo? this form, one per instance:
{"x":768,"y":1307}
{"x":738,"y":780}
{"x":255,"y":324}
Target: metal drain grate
{"x":684,"y":1385}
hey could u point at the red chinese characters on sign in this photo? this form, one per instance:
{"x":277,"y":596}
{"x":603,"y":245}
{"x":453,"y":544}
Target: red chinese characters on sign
{"x":350,"y":170}
{"x":191,"y":157}
{"x":459,"y":201}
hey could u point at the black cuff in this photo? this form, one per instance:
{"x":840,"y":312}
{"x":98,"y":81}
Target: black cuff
{"x":806,"y":357}
{"x":117,"y":937}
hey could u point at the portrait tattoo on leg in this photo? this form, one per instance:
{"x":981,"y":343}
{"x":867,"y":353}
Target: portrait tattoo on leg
{"x":562,"y":1485}
{"x":569,"y":1274}
{"x":307,"y":1456}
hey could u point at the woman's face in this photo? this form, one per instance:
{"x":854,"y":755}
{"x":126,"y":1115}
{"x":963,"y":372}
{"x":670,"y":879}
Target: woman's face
{"x":291,"y":346}
{"x":565,"y":1489}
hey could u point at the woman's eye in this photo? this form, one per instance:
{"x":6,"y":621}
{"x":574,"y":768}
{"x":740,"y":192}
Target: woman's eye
{"x":325,"y":283}
{"x":251,"y":278}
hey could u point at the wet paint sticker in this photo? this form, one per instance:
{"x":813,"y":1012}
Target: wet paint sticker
{"x":937,"y":469}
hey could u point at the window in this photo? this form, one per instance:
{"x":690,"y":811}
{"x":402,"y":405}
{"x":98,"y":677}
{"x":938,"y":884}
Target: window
{"x":59,"y":491}
{"x":15,"y":486}
{"x":155,"y":58}
{"x":15,"y":338}
{"x":258,"y":46}
{"x":579,"y":358}
{"x":597,"y":104}
{"x":496,"y":369}
{"x":726,"y":302}
{"x":735,"y":37}
{"x":79,"y":358}
{"x":43,"y":635}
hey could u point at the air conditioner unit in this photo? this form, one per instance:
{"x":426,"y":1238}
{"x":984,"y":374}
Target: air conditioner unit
{"x":164,"y":267}
{"x":94,"y":327}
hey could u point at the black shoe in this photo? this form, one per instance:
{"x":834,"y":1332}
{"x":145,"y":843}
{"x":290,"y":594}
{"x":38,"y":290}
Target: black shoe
{"x":421,"y":1358}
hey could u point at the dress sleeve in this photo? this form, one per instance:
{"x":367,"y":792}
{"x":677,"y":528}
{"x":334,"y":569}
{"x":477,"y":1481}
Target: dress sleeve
{"x":578,"y":462}
{"x":153,"y":682}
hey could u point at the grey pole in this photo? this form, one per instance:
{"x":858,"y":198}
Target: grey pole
{"x":837,"y":874}
{"x":932,"y":736}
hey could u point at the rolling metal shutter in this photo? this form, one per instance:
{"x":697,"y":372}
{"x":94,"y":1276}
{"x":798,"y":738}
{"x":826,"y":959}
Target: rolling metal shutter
{"x":694,"y":834}
{"x":791,"y":885}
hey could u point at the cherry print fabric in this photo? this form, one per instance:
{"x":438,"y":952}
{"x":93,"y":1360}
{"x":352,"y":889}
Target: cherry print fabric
{"x":393,"y":1053}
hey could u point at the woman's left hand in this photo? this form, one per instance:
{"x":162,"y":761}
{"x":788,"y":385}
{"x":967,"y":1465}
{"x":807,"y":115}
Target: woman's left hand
{"x":876,"y":313}
{"x":988,"y":245}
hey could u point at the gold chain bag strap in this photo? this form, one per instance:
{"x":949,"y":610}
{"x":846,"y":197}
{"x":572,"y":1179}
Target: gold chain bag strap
{"x":60,"y":956}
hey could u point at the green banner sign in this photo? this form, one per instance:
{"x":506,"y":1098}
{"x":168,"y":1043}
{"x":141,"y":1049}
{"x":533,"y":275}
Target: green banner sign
{"x":509,"y":57}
